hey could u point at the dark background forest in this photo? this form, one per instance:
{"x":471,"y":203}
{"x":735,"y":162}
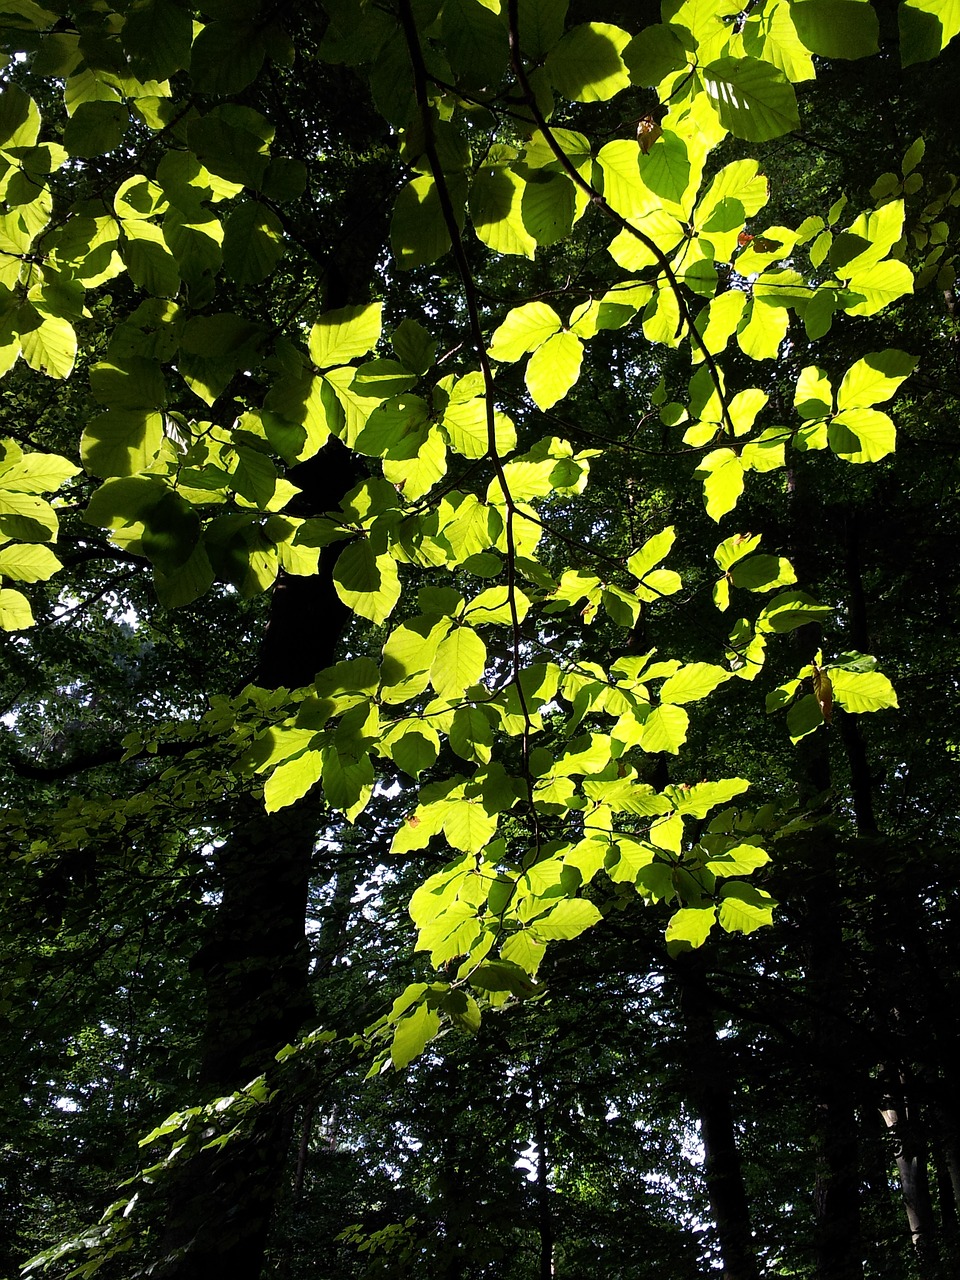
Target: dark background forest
{"x":780,"y":1104}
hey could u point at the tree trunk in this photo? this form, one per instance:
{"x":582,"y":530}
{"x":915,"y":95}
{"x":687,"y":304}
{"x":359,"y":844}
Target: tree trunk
{"x":544,"y":1211}
{"x":899,"y":1114}
{"x":911,"y":1157}
{"x":255,"y":964}
{"x":710,"y":1088}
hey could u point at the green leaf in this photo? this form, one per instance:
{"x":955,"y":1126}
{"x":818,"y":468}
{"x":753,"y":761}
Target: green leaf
{"x":231,"y":141}
{"x":121,"y":442}
{"x":408,"y":655}
{"x":157,"y":36}
{"x":414,"y":346}
{"x":463,"y":1011}
{"x":27,"y":562}
{"x":692,"y":682}
{"x":813,"y":397}
{"x":862,"y":435}
{"x":339,"y":336}
{"x":24,"y":516}
{"x":465,"y":422}
{"x":763,"y":573}
{"x":740,"y":860}
{"x":653,"y":54}
{"x":35,"y":472}
{"x":227,"y":56}
{"x":394,"y":428}
{"x":549,"y":206}
{"x":149,"y":261}
{"x":96,"y":128}
{"x":877,"y":286}
{"x":310,"y":403}
{"x":926,"y":28}
{"x":459,"y":663}
{"x":292,"y":779}
{"x":665,"y":729}
{"x":347,"y":782}
{"x":553,"y":369}
{"x":412,"y":1035}
{"x":416,"y":467}
{"x":735,"y":548}
{"x":475,"y":42}
{"x":723,"y":482}
{"x":468,"y":826}
{"x":496,"y":211}
{"x":744,"y":908}
{"x":15,"y":612}
{"x":367,"y":583}
{"x":587,"y":64}
{"x":860,"y":691}
{"x":690,"y":926}
{"x":789,"y":610}
{"x":496,"y":605}
{"x":568,"y":919}
{"x":804,"y":717}
{"x":418,"y":230}
{"x":753,"y":99}
{"x":416,"y":750}
{"x":876,"y":377}
{"x":51,"y":347}
{"x":651,"y":553}
{"x":700,"y":798}
{"x":665,"y":169}
{"x":837,"y":28}
{"x":133,"y":383}
{"x":502,"y":975}
{"x":19,"y":118}
{"x":524,"y":329}
{"x":525,"y":950}
{"x":252,"y":243}
{"x":764,"y":331}
{"x":540,"y":26}
{"x":471,"y":734}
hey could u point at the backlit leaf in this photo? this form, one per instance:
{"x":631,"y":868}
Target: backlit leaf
{"x":753,"y":99}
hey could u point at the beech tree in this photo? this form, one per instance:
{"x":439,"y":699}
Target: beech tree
{"x":447,"y":430}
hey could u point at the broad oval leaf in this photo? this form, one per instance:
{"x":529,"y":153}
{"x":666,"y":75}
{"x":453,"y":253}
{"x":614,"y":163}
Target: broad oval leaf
{"x":753,"y":99}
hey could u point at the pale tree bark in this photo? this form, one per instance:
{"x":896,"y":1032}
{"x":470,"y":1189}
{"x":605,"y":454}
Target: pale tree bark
{"x":910,"y":1154}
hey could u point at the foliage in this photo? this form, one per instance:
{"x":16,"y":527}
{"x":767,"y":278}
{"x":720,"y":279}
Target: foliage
{"x":153,"y":247}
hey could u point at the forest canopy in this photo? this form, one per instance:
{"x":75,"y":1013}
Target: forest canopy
{"x":478,"y":612}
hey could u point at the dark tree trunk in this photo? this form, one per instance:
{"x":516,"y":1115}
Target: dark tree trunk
{"x":255,"y":964}
{"x":544,"y":1211}
{"x":711,"y":1092}
{"x":899,"y":1110}
{"x":836,"y":1074}
{"x":834,"y":1093}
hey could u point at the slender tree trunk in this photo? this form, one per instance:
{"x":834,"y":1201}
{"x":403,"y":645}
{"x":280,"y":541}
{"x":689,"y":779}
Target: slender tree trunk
{"x":946,"y":1199}
{"x":833,"y":1096}
{"x":710,"y":1088}
{"x":834,"y":1092}
{"x":544,"y":1211}
{"x":911,"y":1157}
{"x":899,"y":1112}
